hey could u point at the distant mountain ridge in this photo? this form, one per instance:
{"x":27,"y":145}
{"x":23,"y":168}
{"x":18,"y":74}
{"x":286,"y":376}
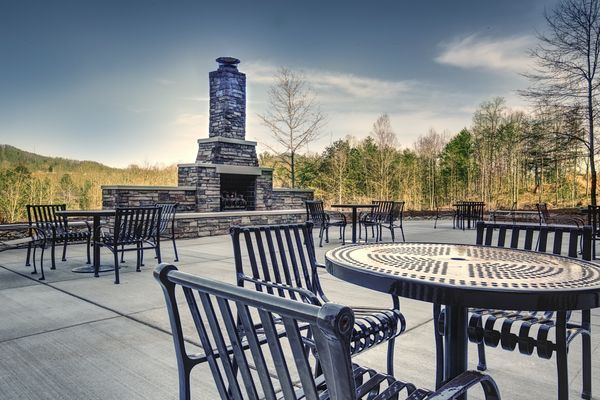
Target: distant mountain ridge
{"x":11,"y":157}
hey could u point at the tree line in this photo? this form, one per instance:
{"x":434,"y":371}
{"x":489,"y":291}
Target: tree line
{"x":504,"y":157}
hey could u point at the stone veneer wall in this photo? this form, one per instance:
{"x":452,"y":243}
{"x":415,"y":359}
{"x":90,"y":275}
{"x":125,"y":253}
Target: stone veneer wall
{"x":192,"y":225}
{"x":135,"y":196}
{"x":227,"y":100}
{"x":227,"y":152}
{"x":283,"y":198}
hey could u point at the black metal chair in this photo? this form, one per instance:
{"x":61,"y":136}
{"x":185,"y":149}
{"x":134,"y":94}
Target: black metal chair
{"x":547,"y":219}
{"x":278,"y":257}
{"x":56,"y":229}
{"x":254,"y":346}
{"x":11,"y":238}
{"x":444,"y":212}
{"x":166,"y":226}
{"x":316,"y":214}
{"x":488,"y":327}
{"x":373,"y":219}
{"x":392,"y":221}
{"x":134,"y":230}
{"x":593,"y":220}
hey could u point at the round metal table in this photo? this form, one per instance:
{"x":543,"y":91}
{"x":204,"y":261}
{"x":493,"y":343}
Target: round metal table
{"x":96,"y":267}
{"x":463,"y":276}
{"x":354,"y":207}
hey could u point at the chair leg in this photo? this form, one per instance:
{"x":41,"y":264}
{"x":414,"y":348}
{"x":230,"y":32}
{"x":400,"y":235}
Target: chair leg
{"x":321,"y":236}
{"x":64,"y":254}
{"x":586,"y":351}
{"x":116,"y":254}
{"x":482,"y":364}
{"x":393,"y":234}
{"x":390,"y":356}
{"x":43,"y":277}
{"x":89,"y":245}
{"x":139,"y":255}
{"x":28,"y":263}
{"x":327,"y":234}
{"x":34,"y":272}
{"x":158,"y":253}
{"x":122,"y":253}
{"x":53,"y":255}
{"x":344,"y":235}
{"x":175,"y":248}
{"x":402,"y":230}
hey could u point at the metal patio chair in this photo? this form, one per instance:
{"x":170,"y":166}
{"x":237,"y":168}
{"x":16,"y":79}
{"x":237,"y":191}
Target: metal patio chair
{"x":593,"y":219}
{"x":489,"y":327}
{"x":13,"y":237}
{"x":547,"y":219}
{"x":276,"y":257}
{"x":134,"y":230}
{"x":373,"y":219}
{"x":56,"y":229}
{"x":393,"y":220}
{"x":324,"y":219}
{"x":254,"y":346}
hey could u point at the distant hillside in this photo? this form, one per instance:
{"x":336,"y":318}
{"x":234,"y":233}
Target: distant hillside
{"x":11,"y":157}
{"x":28,"y":178}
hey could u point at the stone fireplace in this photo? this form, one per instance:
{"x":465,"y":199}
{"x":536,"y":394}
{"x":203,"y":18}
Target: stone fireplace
{"x":225,"y":178}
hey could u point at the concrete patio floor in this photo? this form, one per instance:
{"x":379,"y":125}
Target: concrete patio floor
{"x":79,"y":337}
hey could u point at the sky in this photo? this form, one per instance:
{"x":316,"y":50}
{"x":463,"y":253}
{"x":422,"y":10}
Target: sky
{"x":126,"y":82}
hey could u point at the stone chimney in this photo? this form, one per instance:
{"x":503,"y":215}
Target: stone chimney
{"x":227,"y":100}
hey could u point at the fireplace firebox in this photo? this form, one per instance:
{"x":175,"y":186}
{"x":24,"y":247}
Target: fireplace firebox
{"x":238,"y":192}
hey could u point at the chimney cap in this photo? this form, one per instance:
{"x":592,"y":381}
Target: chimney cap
{"x":228,"y":62}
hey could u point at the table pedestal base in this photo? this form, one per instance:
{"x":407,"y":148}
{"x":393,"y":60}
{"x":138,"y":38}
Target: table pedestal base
{"x":89,"y":269}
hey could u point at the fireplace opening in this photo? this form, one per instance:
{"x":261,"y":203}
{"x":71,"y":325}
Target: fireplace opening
{"x":238,"y":192}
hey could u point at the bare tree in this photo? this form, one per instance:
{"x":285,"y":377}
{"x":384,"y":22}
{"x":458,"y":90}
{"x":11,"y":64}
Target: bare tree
{"x":294,"y":118}
{"x":385,"y":139}
{"x":566,"y":64}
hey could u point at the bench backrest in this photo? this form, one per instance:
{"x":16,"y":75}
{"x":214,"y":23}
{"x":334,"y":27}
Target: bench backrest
{"x":240,"y":327}
{"x":276,"y":253}
{"x":542,"y":238}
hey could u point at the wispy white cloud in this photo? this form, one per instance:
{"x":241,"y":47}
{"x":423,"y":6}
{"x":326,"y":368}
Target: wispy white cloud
{"x":330,"y":81}
{"x":164,"y":81}
{"x":500,"y":54}
{"x":189,"y":119}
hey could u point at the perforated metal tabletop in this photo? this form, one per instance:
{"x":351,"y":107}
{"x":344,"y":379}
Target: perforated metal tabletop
{"x":474,"y":276}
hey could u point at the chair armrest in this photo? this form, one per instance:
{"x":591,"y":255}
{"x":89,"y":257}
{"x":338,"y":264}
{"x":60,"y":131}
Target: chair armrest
{"x":284,"y":290}
{"x":462,"y":383}
{"x":335,"y":214}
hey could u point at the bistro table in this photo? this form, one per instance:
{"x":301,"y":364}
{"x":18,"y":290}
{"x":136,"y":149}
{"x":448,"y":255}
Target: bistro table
{"x":463,"y":276}
{"x":354,"y":207}
{"x":96,"y":267}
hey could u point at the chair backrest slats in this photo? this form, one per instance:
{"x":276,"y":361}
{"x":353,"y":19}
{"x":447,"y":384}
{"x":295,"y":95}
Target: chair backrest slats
{"x":167,"y":215}
{"x":538,"y":237}
{"x":135,"y":224}
{"x":44,"y":216}
{"x":256,"y":350}
{"x":275,"y":253}
{"x":315,"y":212}
{"x":226,"y":321}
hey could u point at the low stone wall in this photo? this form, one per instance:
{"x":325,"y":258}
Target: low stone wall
{"x":192,"y":225}
{"x":283,"y":198}
{"x":135,"y":196}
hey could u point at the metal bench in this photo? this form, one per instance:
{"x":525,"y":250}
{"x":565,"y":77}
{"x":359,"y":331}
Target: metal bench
{"x":253,"y":345}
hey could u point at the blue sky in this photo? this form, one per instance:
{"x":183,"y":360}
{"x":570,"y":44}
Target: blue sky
{"x":126,"y":81}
